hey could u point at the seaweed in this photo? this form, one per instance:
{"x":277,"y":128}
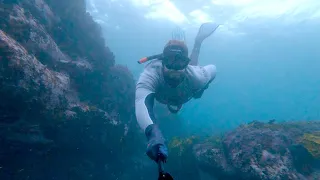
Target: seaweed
{"x":312,"y":143}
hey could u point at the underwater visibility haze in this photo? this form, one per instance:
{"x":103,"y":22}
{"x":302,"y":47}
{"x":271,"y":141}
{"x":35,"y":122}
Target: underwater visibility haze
{"x":68,"y":76}
{"x":265,"y":52}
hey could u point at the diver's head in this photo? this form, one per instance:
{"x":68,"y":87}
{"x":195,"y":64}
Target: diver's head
{"x":175,"y":61}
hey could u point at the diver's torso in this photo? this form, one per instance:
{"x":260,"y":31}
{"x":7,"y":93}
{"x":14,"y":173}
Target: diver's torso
{"x":179,"y":95}
{"x":194,"y":81}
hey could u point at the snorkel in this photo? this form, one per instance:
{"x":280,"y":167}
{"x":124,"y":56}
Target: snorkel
{"x":178,"y":35}
{"x":145,"y":59}
{"x":175,"y":53}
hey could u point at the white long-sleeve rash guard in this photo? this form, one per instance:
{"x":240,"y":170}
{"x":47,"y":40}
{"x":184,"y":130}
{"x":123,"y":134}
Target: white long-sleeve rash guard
{"x":151,"y":85}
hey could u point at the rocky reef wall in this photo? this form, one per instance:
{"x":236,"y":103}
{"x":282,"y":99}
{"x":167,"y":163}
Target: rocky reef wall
{"x":255,"y":151}
{"x":66,"y":108}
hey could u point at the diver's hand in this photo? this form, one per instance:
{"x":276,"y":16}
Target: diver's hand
{"x":156,"y":149}
{"x":157,"y":152}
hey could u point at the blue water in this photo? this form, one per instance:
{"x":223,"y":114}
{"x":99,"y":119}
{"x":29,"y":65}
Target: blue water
{"x":267,"y":55}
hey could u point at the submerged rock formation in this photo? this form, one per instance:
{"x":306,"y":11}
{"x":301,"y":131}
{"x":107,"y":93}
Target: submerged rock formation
{"x":66,"y":109}
{"x":258,"y":151}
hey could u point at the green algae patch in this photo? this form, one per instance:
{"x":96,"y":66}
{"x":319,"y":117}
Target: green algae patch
{"x":179,"y":145}
{"x":312,"y":143}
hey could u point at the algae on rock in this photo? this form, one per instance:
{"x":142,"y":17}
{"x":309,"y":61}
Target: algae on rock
{"x":61,"y":94}
{"x":263,"y":151}
{"x":312,"y":143}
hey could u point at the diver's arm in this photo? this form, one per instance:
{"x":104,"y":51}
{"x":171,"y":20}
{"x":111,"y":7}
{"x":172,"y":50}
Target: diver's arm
{"x":145,"y":91}
{"x":209,"y":72}
{"x":195,"y":53}
{"x":144,"y":107}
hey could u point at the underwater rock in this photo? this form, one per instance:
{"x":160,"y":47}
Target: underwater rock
{"x":312,"y":143}
{"x":23,"y":75}
{"x":262,"y":151}
{"x":63,"y":99}
{"x":182,"y":164}
{"x":211,"y":159}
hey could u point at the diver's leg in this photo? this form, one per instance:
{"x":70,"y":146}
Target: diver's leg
{"x":205,"y":30}
{"x":195,"y":53}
